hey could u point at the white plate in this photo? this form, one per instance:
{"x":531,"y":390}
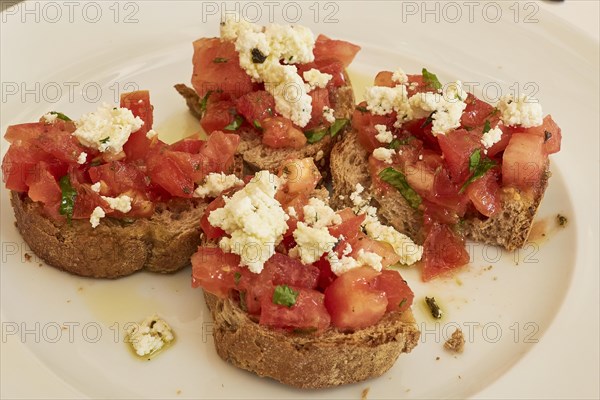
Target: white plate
{"x":531,"y":320}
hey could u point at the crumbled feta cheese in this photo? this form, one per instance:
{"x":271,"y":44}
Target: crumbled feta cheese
{"x":445,"y":109}
{"x":420,"y":157}
{"x":370,"y":259}
{"x":107,"y":129}
{"x":216,"y":183}
{"x":413,"y":85}
{"x":316,"y":79}
{"x":96,"y":187}
{"x":491,"y":137}
{"x":525,"y":111}
{"x":50,"y":118}
{"x":383,"y":154}
{"x":291,"y":44}
{"x":400,"y":76}
{"x":383,"y":135}
{"x":355,"y":197}
{"x":149,"y":336}
{"x":121,"y":203}
{"x":82,"y":158}
{"x":328,"y":114}
{"x":342,"y":265}
{"x":312,"y":242}
{"x":151,"y":134}
{"x":383,"y":100}
{"x":408,"y":251}
{"x":292,"y":212}
{"x":319,"y":215}
{"x":255,"y":221}
{"x":97,"y":214}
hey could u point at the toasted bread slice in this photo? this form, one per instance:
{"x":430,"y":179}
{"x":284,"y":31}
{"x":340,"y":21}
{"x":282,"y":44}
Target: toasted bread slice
{"x":509,"y":228}
{"x":260,"y":157}
{"x":309,"y":360}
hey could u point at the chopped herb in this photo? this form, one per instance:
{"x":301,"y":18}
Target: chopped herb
{"x":105,"y":140}
{"x":478,"y":168}
{"x":284,"y":296}
{"x":96,"y":162}
{"x":67,"y":202}
{"x":402,"y":303}
{"x":186,"y":190}
{"x":290,"y":58}
{"x":337,"y":126}
{"x":315,"y":135}
{"x":60,"y":115}
{"x":431,"y":80}
{"x":362,"y":109}
{"x":204,"y":102}
{"x":487,"y":127}
{"x":428,"y":120}
{"x":436,"y":311}
{"x":494,"y":112}
{"x":236,"y":278}
{"x":235,"y":124}
{"x":257,"y":125}
{"x":220,"y":60}
{"x":561,"y":220}
{"x":547,"y":136}
{"x":394,"y":144}
{"x":257,"y":56}
{"x":398,"y":180}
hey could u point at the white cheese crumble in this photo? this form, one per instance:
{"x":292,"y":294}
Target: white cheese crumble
{"x":525,"y":111}
{"x":97,"y":214}
{"x":408,"y":251}
{"x":151,"y":134}
{"x":342,"y":265}
{"x":292,"y":212}
{"x":383,"y":154}
{"x":319,"y":215}
{"x":216,"y":183}
{"x":96,"y":187}
{"x":107,"y":129}
{"x":316,"y":79}
{"x":400,"y":76}
{"x":445,"y":109}
{"x":328,"y":114}
{"x":383,"y":100}
{"x":50,"y":118}
{"x":121,"y":203}
{"x":290,"y":44}
{"x":255,"y":221}
{"x":149,"y":336}
{"x":383,"y":134}
{"x":82,"y":158}
{"x":491,"y":137}
{"x":312,"y":243}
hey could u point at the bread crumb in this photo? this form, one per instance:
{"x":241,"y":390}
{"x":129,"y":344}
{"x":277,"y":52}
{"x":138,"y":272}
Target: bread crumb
{"x":488,"y":268}
{"x":178,"y":391}
{"x":68,"y":301}
{"x":365,"y":393}
{"x":437,"y":358}
{"x":27,"y":257}
{"x":40,"y":265}
{"x":561,"y":220}
{"x":80,"y":289}
{"x":456,"y":343}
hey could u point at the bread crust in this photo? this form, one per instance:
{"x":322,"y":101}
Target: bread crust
{"x":163,"y":243}
{"x":310,"y":360}
{"x":509,"y":228}
{"x":260,"y":157}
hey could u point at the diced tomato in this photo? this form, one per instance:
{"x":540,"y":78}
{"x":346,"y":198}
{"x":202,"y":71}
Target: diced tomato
{"x":164,"y":169}
{"x":550,"y":132}
{"x":138,"y":102}
{"x":421,"y":178}
{"x":301,"y":176}
{"x":446,"y":193}
{"x":320,"y":99}
{"x":416,"y":84}
{"x":443,"y":251}
{"x":353,"y":301}
{"x":329,"y":66}
{"x":86,"y":201}
{"x":308,"y":312}
{"x":279,"y":132}
{"x":19,"y":162}
{"x":457,"y":147}
{"x":326,"y":275}
{"x":364,"y":122}
{"x":214,"y":271}
{"x":350,"y":226}
{"x":524,"y":161}
{"x":476,"y":112}
{"x":366,"y":244}
{"x":384,"y":78}
{"x":219,"y":152}
{"x":434,"y":212}
{"x":421,"y":129}
{"x":57,"y":140}
{"x":217,"y":69}
{"x":218,"y":115}
{"x":256,"y":106}
{"x":504,"y":140}
{"x":43,"y":186}
{"x":190,"y":145}
{"x":118,"y":177}
{"x":210,"y":231}
{"x":339,"y":49}
{"x":483,"y":192}
{"x":399,"y":295}
{"x":25,"y":132}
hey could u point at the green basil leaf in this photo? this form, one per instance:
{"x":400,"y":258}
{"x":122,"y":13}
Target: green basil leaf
{"x":431,"y":79}
{"x":285,"y":296}
{"x":60,"y":115}
{"x":337,"y":126}
{"x":315,"y":135}
{"x":236,"y":278}
{"x":394,"y":144}
{"x":220,"y":60}
{"x":483,"y":166}
{"x":67,"y":202}
{"x":257,"y":125}
{"x":105,"y":140}
{"x":398,"y":181}
{"x":428,"y":120}
{"x":204,"y":102}
{"x":235,"y":124}
{"x":474,"y":159}
{"x":487,"y":127}
{"x":258,"y":56}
